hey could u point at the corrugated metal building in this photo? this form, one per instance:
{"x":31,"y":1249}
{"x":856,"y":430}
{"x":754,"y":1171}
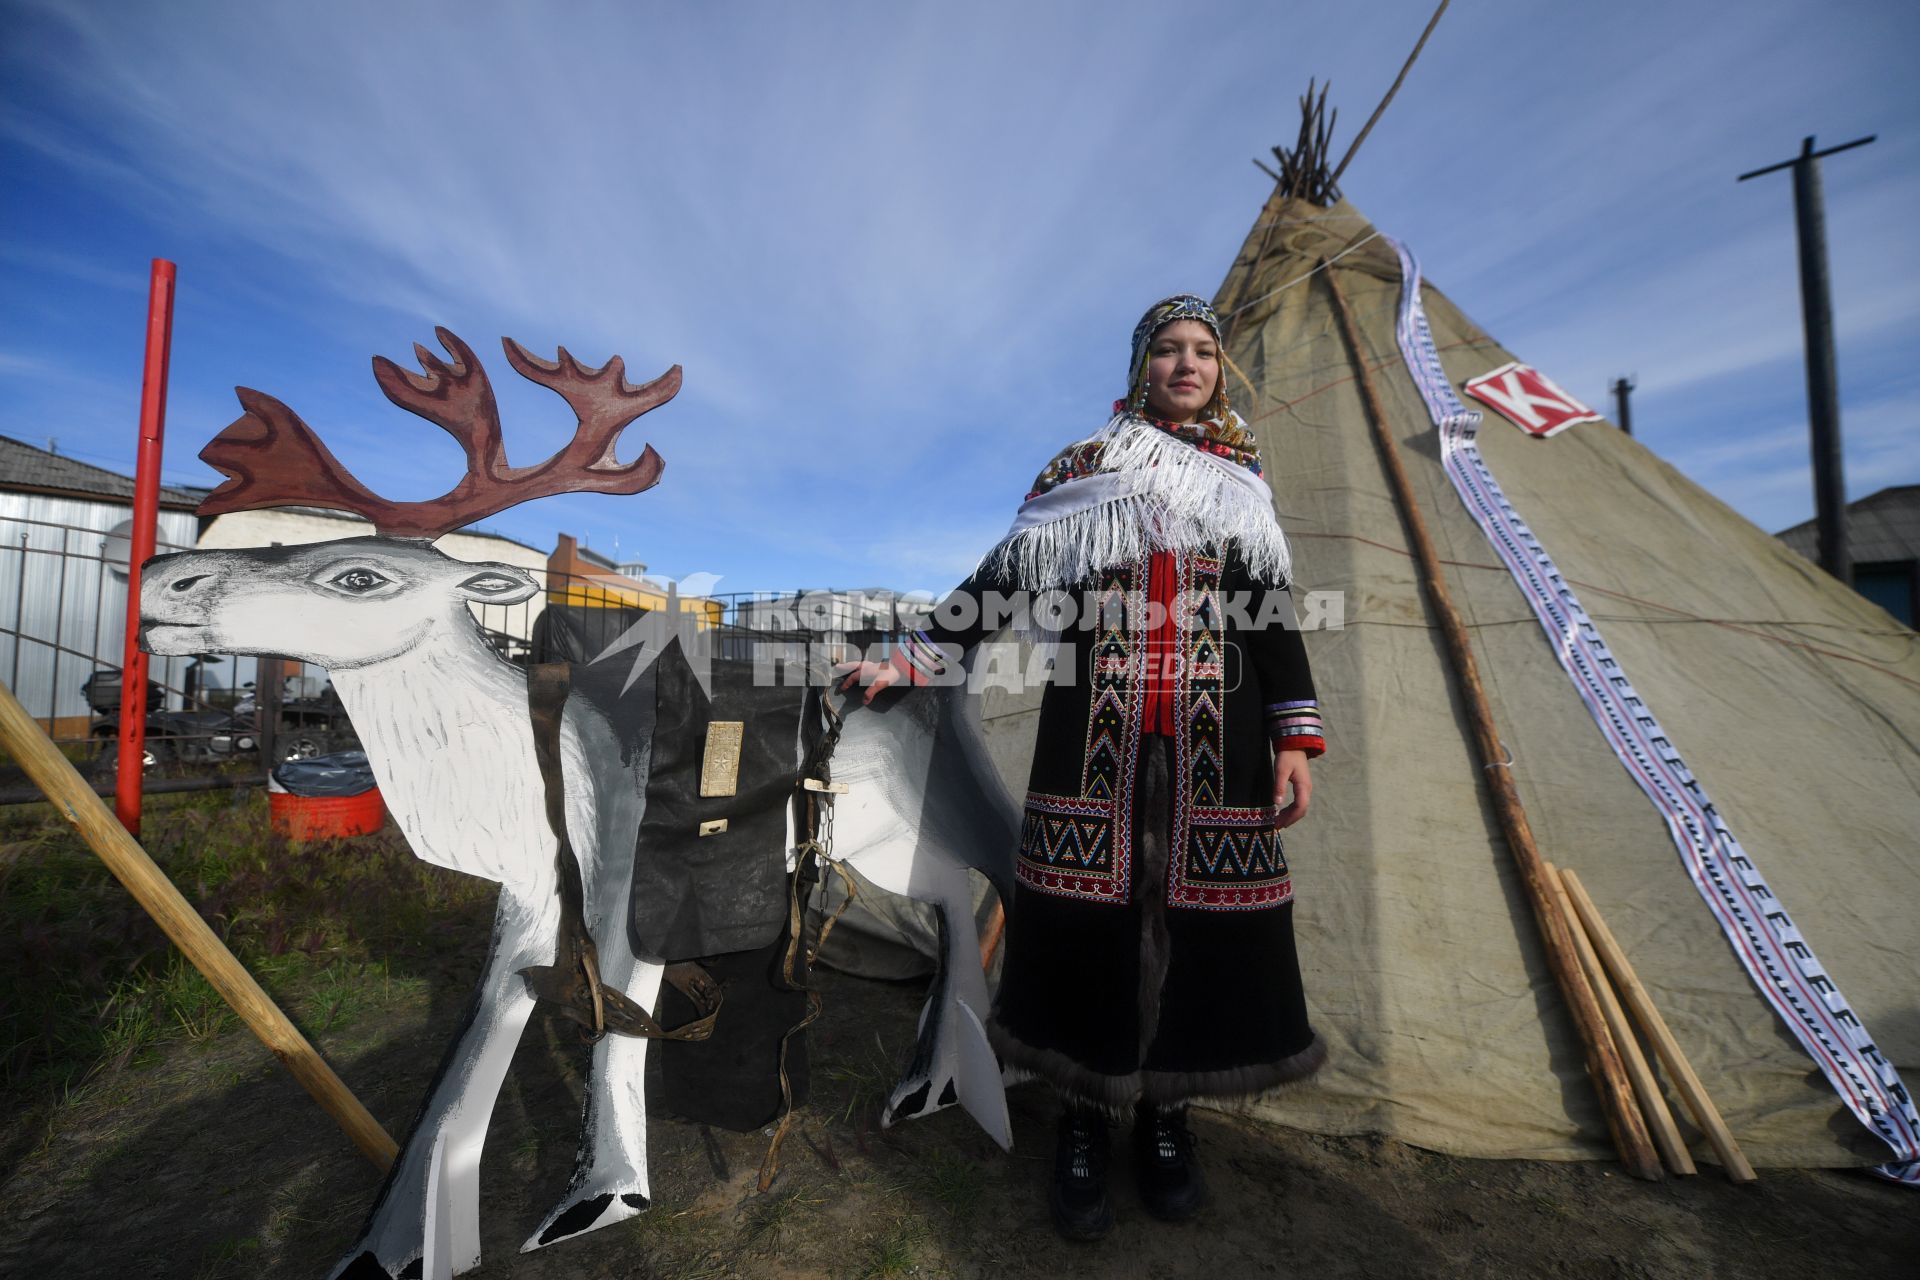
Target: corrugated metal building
{"x":1883,"y":541}
{"x":63,"y":577}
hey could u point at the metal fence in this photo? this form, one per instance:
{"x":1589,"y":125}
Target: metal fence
{"x":63,"y":589}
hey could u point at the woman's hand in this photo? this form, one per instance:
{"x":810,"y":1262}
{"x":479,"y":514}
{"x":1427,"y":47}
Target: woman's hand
{"x":1291,"y":767}
{"x":874,"y":675}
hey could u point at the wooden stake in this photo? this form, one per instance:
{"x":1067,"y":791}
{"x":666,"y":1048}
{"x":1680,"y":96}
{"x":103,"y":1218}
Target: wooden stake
{"x":1705,"y":1114}
{"x":76,"y":801}
{"x":1603,"y":1063}
{"x":1653,"y":1106}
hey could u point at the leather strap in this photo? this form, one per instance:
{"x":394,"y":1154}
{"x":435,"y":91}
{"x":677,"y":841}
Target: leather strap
{"x":572,"y":982}
{"x":815,"y":858}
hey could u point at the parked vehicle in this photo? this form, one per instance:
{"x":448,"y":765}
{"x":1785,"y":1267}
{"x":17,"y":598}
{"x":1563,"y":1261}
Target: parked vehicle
{"x":309,"y":727}
{"x":209,"y":735}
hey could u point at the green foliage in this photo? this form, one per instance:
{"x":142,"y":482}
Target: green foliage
{"x":893,"y":1252}
{"x":95,"y":987}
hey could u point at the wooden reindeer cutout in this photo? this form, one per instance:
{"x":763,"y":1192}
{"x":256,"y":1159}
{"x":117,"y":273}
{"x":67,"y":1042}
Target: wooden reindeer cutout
{"x":445,"y":722}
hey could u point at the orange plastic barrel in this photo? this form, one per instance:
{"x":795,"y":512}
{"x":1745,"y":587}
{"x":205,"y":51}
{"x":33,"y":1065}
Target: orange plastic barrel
{"x":325,"y":817}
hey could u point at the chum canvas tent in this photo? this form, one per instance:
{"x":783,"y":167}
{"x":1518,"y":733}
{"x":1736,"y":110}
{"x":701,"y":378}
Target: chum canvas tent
{"x":1793,"y":701}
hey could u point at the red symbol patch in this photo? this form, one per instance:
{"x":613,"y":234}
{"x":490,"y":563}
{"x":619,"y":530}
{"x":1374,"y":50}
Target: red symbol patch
{"x":1529,"y":399}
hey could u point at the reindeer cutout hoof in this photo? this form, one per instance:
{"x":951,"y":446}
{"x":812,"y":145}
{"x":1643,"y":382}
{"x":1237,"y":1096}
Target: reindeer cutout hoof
{"x":963,"y":1069}
{"x":367,"y":1267}
{"x":581,"y":1213}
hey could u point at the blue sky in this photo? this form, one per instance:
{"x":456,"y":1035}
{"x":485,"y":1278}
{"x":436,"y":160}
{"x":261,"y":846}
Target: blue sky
{"x":898,"y":247}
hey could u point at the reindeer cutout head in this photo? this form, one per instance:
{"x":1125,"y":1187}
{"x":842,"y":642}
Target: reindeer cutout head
{"x":360,"y":601}
{"x":341,"y":605}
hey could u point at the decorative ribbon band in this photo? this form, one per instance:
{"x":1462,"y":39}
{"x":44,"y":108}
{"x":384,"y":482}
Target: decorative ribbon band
{"x":1764,"y":938}
{"x":918,"y":657}
{"x":1297,"y":726}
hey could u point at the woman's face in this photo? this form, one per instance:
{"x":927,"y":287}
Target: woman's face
{"x":1183,"y":371}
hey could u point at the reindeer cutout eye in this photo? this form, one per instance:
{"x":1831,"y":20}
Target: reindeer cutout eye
{"x":355,"y":580}
{"x":492,"y":584}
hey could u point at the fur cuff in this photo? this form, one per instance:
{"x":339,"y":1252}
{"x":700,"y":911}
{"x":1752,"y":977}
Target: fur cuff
{"x":1231,"y":1088}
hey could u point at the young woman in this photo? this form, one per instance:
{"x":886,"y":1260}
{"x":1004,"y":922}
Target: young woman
{"x":1149,"y":948}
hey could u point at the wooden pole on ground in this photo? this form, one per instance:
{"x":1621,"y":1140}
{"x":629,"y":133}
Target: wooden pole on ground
{"x":1603,"y":1063}
{"x":1653,"y":1106}
{"x":1705,"y":1114}
{"x":97,"y":825}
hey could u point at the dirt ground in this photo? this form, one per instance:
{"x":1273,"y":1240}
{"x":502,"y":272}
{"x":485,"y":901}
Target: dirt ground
{"x":212,"y":1163}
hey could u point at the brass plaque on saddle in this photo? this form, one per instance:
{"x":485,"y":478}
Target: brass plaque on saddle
{"x":720,"y":763}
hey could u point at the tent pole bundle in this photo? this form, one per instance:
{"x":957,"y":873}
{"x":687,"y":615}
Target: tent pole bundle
{"x":1587,"y":919}
{"x":1304,"y":171}
{"x":1646,"y":1090}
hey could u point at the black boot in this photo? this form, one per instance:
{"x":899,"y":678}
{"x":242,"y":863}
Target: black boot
{"x":1081,"y":1209}
{"x":1169,"y":1176}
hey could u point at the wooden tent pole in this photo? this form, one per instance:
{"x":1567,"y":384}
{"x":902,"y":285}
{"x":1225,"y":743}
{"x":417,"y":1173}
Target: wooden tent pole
{"x":1380,"y":110}
{"x":1705,"y":1114}
{"x":1603,"y":1063}
{"x":1653,"y":1106}
{"x":76,"y":801}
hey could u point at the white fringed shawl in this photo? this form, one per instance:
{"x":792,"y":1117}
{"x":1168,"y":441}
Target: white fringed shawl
{"x":1152,"y":491}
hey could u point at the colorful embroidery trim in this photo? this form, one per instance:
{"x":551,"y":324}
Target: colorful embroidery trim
{"x":1067,"y":848}
{"x":1232,"y":860}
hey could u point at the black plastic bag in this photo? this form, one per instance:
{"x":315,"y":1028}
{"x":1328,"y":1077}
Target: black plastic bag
{"x":344,"y":773}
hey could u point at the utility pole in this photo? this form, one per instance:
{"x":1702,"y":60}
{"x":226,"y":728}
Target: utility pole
{"x":1823,"y":387}
{"x":1623,"y":412}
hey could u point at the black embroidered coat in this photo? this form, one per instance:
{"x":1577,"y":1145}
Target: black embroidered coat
{"x":1149,"y":948}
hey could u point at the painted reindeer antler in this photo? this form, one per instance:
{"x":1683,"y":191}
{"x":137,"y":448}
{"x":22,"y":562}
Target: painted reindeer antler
{"x":271,"y":458}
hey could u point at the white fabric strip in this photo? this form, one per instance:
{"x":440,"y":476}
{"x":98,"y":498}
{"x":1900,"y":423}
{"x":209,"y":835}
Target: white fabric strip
{"x":1775,"y":955}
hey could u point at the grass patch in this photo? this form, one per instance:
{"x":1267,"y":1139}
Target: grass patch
{"x":950,"y":1180}
{"x":331,"y":929}
{"x":766,"y":1219}
{"x":236,"y":1256}
{"x":859,"y":1081}
{"x":894,"y":1252}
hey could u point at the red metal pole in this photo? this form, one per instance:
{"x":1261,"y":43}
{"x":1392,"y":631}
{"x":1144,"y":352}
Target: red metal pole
{"x":146,"y":516}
